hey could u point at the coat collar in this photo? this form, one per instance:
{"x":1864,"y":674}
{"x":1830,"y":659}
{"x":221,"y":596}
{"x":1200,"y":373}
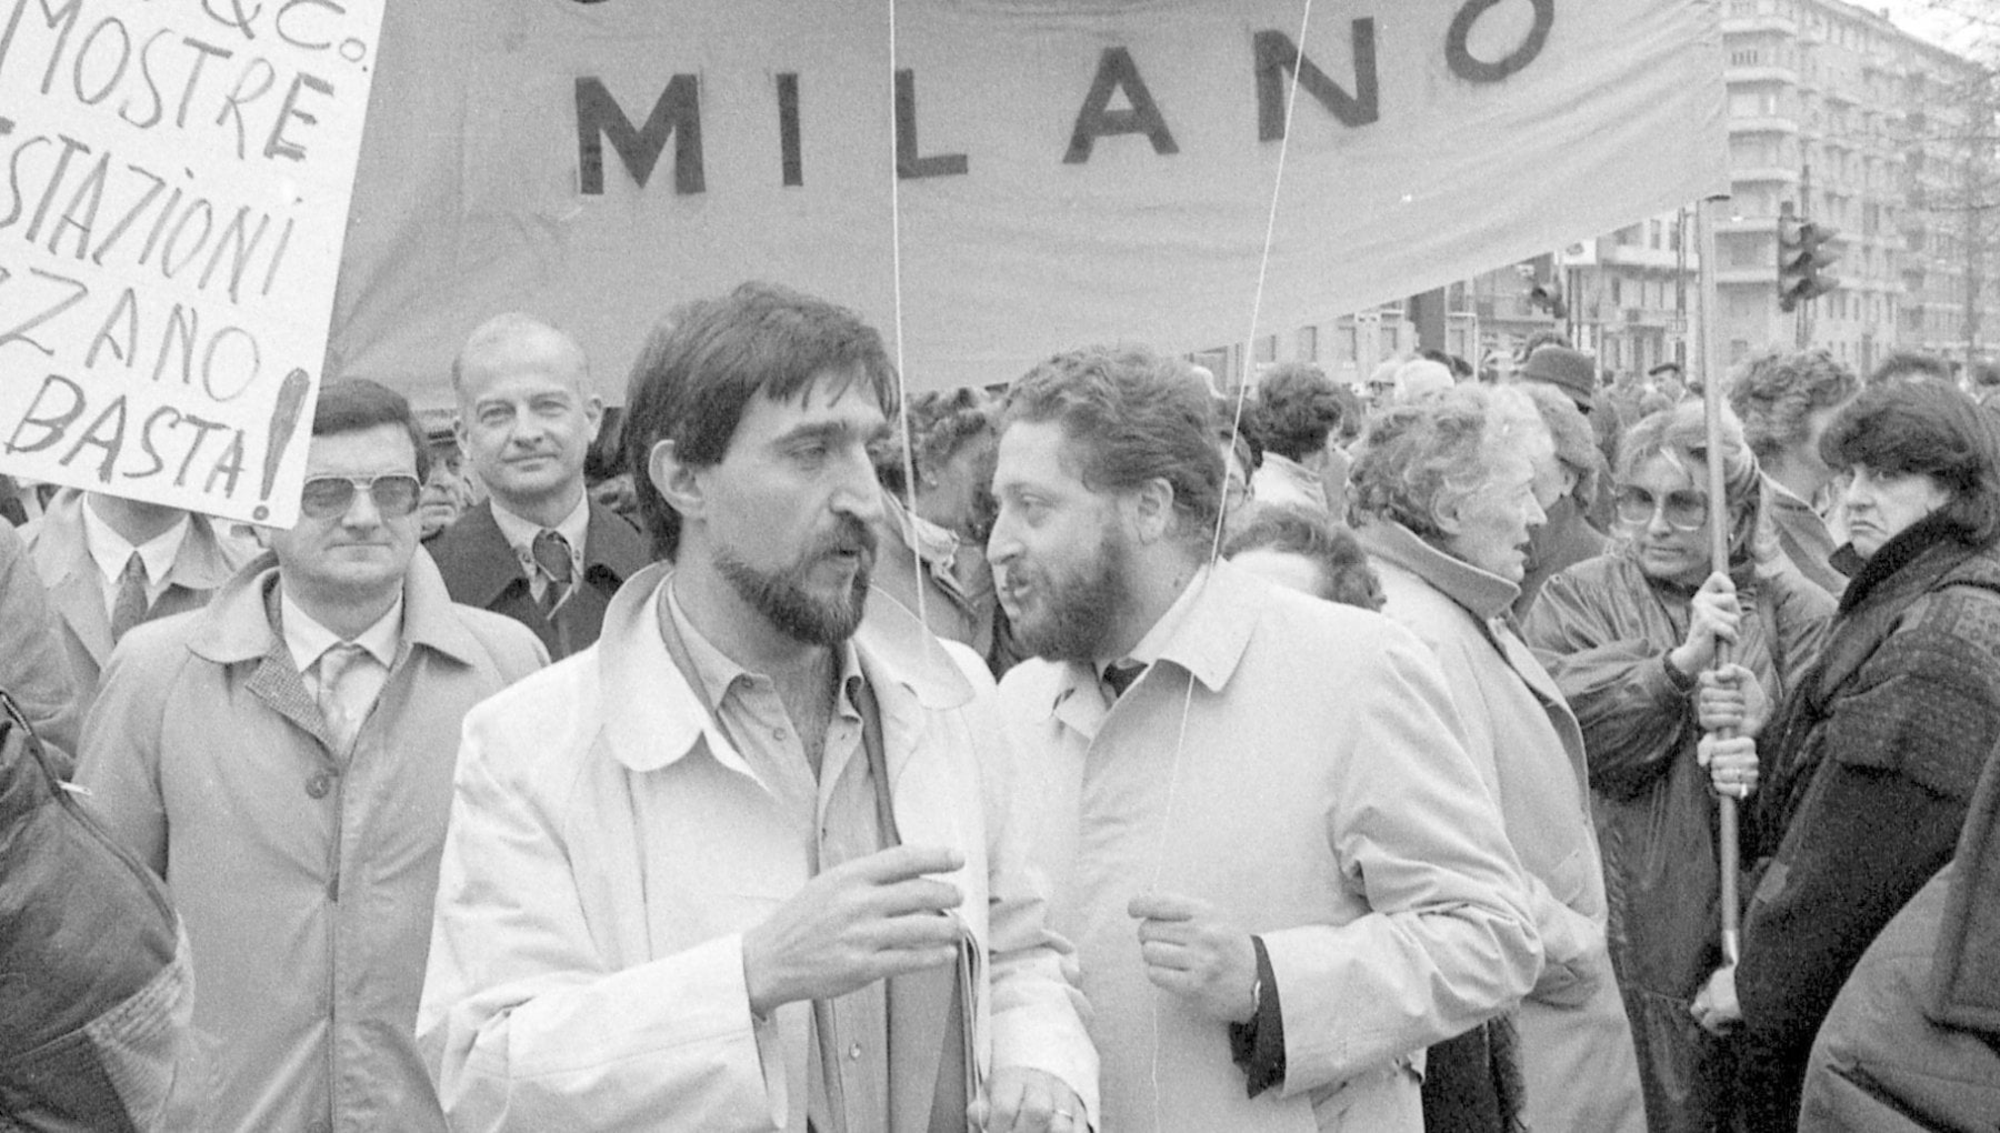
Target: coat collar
{"x":1913,"y":560}
{"x":1208,"y":644}
{"x":59,"y":549}
{"x":660,"y":718}
{"x":236,"y":625}
{"x":484,"y":563}
{"x":1485,"y":594}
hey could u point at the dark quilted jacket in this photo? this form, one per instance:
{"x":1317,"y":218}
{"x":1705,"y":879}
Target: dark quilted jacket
{"x":95,"y":989}
{"x":1872,"y":765}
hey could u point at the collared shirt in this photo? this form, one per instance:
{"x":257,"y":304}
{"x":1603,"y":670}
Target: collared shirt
{"x":520,"y":534}
{"x":110,"y":551}
{"x":307,"y":640}
{"x":836,"y":820}
{"x":1154,"y":642}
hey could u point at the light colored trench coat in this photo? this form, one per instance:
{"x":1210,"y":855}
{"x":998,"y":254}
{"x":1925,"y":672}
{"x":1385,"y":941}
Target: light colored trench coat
{"x":305,"y":884}
{"x":609,"y":848}
{"x":1576,"y":1046}
{"x":1319,"y":796}
{"x":56,"y":545}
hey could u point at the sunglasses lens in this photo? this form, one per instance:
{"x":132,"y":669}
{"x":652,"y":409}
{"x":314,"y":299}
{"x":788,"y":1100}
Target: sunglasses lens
{"x":327,"y":497}
{"x":396,"y":496}
{"x":1634,"y":506}
{"x":1687,"y":511}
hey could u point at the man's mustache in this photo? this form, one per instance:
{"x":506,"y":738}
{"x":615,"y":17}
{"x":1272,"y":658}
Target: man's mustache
{"x":851,"y":537}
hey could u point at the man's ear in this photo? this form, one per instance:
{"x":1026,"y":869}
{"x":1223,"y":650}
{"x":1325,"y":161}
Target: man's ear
{"x":675,"y":481}
{"x":593,"y":412}
{"x":1151,"y":509}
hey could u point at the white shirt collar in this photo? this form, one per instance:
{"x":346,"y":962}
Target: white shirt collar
{"x":110,"y":550}
{"x":1154,"y":643}
{"x":306,"y":638}
{"x":520,"y":533}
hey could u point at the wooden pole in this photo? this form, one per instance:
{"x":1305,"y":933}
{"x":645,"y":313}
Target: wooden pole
{"x":1728,"y":849}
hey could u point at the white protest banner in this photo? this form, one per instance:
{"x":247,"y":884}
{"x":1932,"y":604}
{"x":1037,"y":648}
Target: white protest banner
{"x":1021,"y":176}
{"x":177,"y":182}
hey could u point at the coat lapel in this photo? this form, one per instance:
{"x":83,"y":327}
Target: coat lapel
{"x":476,"y":558}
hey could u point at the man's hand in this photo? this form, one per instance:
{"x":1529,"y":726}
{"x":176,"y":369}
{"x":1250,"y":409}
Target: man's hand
{"x":1730,"y":697}
{"x":1713,"y":617}
{"x":1715,"y":1008}
{"x":1021,"y":1100}
{"x":857,"y":923}
{"x":1731,"y":763}
{"x":1190,"y":950}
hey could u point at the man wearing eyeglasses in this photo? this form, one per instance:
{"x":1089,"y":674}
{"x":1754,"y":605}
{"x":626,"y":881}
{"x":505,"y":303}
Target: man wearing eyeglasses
{"x":284,"y":758}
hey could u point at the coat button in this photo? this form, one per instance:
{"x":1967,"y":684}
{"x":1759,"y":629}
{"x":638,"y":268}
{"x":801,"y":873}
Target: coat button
{"x":319,"y":785}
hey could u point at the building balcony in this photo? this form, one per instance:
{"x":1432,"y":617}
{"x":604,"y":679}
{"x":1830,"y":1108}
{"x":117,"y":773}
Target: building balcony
{"x":1644,"y":256}
{"x":1768,"y":21}
{"x":1746,"y":224}
{"x":1765,"y":274}
{"x":1761,"y":73}
{"x":1754,"y":174}
{"x":1764,"y":124}
{"x":1656,"y":317}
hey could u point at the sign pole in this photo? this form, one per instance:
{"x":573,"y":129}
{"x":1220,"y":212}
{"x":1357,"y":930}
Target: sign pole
{"x":1728,"y":849}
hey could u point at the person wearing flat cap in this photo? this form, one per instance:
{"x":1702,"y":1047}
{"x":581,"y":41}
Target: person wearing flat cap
{"x":1574,"y":373}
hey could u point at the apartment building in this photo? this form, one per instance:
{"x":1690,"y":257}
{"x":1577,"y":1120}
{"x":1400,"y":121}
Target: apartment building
{"x":1832,"y":108}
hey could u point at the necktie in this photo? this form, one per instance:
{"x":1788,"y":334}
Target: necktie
{"x":340,"y":694}
{"x":551,"y":553}
{"x":129,"y":608}
{"x":1119,"y":677}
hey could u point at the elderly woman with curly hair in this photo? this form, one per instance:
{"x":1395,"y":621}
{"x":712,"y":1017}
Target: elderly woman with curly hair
{"x":1445,"y":487}
{"x":1785,"y":401}
{"x":1873,"y":757}
{"x":1626,"y":635}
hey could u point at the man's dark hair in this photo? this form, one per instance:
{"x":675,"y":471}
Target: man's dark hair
{"x":1131,"y":416}
{"x":353,"y":405}
{"x":1910,"y":365}
{"x":1932,"y":429}
{"x":1296,"y":409}
{"x":704,"y":363}
{"x":1346,"y":576}
{"x":1773,"y":394}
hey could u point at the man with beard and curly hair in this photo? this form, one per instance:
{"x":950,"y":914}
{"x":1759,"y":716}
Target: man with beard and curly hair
{"x":748,"y":862}
{"x":1281,"y":870}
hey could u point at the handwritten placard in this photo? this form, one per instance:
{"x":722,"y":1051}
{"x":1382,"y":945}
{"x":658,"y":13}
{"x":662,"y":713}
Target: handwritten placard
{"x":174,"y":186}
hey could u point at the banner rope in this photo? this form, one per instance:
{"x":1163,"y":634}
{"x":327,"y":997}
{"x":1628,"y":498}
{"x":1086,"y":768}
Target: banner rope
{"x":1215,"y":541}
{"x":905,"y":438}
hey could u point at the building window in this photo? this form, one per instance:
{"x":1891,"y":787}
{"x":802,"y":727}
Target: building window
{"x":1309,"y":344}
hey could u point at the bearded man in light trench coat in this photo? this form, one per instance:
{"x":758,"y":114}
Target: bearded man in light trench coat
{"x":1280,"y":867}
{"x":673,"y":896}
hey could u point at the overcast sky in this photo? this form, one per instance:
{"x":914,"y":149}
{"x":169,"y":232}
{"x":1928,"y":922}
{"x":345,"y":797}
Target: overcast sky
{"x":1946,"y":21}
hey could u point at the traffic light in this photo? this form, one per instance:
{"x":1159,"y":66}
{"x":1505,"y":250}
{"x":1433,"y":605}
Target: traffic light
{"x":1803,"y":258}
{"x":1549,"y":297}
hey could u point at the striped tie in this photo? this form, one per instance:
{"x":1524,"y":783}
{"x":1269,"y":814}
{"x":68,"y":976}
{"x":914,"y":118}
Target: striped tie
{"x":551,"y":553}
{"x":129,"y":608}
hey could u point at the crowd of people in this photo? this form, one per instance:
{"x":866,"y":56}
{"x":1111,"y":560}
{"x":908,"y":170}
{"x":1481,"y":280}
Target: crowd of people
{"x":1101,"y":751}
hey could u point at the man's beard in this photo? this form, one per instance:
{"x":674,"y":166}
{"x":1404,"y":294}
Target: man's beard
{"x":785,"y":597}
{"x":1080,"y":611}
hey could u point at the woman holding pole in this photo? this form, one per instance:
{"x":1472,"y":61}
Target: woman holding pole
{"x":1872,"y":759}
{"x":1625,"y":635}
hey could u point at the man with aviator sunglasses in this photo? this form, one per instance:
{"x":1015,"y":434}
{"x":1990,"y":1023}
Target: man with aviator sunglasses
{"x":284,"y":759}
